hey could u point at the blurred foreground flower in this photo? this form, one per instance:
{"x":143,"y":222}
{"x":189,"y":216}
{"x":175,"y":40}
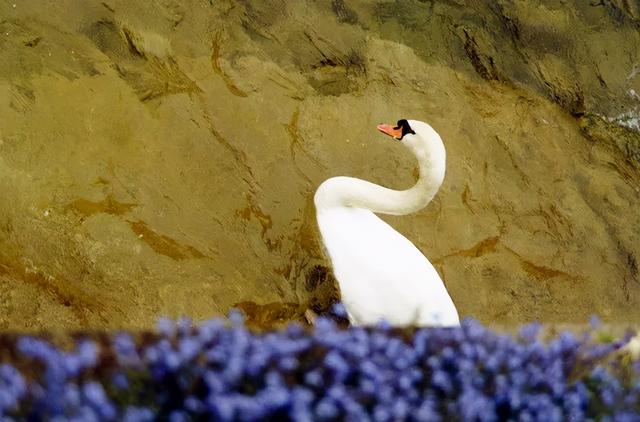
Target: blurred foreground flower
{"x":220,"y":370}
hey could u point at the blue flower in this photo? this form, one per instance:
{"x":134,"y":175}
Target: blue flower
{"x":595,"y":321}
{"x":337,"y":364}
{"x":138,"y":414}
{"x":222,"y":371}
{"x":236,"y":318}
{"x":339,"y":310}
{"x":120,"y":381}
{"x":96,"y":398}
{"x":166,"y":327}
{"x":125,"y":348}
{"x":301,"y":399}
{"x":179,"y":416}
{"x":221,"y":407}
{"x":327,"y":409}
{"x":314,"y":378}
{"x":12,"y":387}
{"x":529,"y":332}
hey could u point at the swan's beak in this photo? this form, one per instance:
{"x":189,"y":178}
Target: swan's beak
{"x":394,"y":132}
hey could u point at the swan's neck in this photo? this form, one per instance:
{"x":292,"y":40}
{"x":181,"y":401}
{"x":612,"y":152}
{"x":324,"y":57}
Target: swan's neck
{"x":357,"y":193}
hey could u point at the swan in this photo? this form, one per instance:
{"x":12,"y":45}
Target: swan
{"x":380,"y":273}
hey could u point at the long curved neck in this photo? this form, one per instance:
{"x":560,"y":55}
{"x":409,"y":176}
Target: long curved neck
{"x":358,"y":193}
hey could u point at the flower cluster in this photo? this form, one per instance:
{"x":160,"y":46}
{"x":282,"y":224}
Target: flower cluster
{"x":220,"y":370}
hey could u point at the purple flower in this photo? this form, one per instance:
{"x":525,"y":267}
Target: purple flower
{"x":301,"y":399}
{"x":184,"y":326}
{"x":137,"y":414}
{"x":221,"y":407}
{"x":337,"y":364}
{"x":441,"y":380}
{"x":327,"y":409}
{"x":223,"y":371}
{"x":381,"y":413}
{"x":96,"y":398}
{"x":193,"y":405}
{"x":529,"y":332}
{"x":125,"y":348}
{"x":236,"y":318}
{"x":120,"y":381}
{"x":179,"y":416}
{"x":87,"y":353}
{"x":12,"y":387}
{"x":166,"y":327}
{"x":427,"y":412}
{"x":339,"y":310}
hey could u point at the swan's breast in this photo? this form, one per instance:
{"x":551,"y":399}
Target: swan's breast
{"x":364,"y":238}
{"x":380,"y":272}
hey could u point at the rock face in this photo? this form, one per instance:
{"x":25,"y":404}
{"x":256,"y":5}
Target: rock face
{"x":160,"y":158}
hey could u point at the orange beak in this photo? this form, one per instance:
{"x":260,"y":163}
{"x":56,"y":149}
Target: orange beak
{"x":390,"y":130}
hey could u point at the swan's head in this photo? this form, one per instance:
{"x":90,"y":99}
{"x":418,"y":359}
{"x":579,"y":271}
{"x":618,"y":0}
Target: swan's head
{"x":414,"y":134}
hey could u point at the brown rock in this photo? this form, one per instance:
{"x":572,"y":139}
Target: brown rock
{"x":161,"y":159}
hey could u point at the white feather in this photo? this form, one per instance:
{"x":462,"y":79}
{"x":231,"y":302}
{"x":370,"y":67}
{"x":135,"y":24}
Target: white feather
{"x":381,"y":274}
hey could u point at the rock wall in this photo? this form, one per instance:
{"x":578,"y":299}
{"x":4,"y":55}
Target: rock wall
{"x":160,"y":157}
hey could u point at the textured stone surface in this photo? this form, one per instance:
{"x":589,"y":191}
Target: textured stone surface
{"x":160,"y":158}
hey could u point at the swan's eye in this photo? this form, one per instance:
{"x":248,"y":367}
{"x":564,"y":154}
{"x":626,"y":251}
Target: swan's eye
{"x":406,"y":128}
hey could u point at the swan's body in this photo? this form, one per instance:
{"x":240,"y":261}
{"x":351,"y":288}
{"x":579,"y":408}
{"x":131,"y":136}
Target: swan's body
{"x":381,"y":274}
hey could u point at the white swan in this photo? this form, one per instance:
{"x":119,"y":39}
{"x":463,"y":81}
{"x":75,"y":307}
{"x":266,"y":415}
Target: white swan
{"x":381,"y":274}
